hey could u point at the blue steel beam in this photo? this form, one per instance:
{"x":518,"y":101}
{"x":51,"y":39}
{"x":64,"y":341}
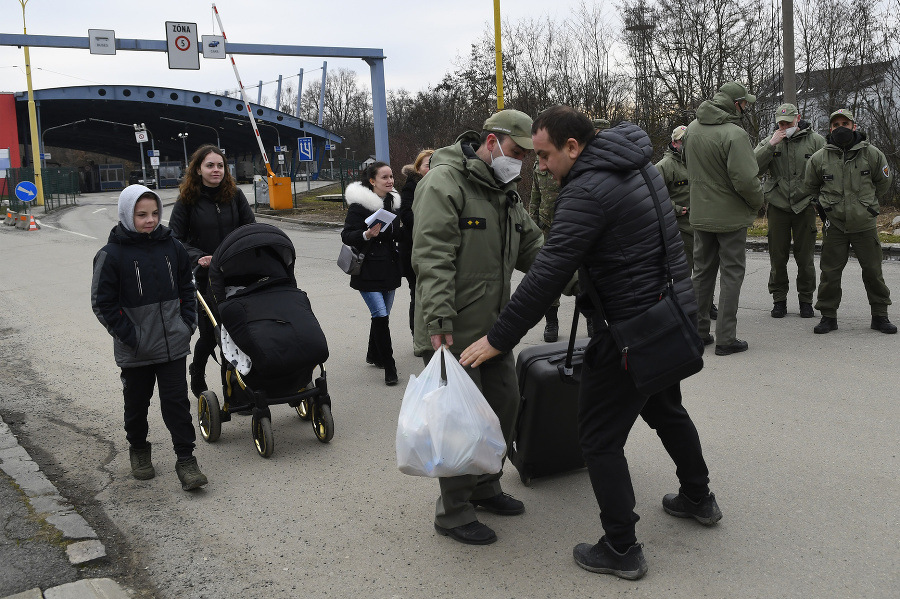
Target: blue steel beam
{"x":373,"y":56}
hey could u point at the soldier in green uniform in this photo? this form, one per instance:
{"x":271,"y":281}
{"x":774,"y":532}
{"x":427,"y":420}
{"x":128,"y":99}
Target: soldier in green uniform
{"x":782,"y":158}
{"x":847,"y":175}
{"x":674,"y":173}
{"x":543,"y":200}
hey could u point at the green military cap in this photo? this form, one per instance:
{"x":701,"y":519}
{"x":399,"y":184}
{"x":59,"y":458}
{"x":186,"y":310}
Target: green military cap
{"x":737,"y":91}
{"x":786,"y":113}
{"x":678,"y":132}
{"x":513,"y":123}
{"x":842,"y":112}
{"x":600,"y":123}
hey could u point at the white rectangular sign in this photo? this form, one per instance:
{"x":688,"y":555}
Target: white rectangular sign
{"x":102,"y":41}
{"x":141,"y":136}
{"x":154,"y":161}
{"x":181,"y":45}
{"x":213,"y":46}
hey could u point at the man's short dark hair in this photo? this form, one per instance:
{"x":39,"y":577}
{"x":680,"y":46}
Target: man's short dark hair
{"x":562,"y":122}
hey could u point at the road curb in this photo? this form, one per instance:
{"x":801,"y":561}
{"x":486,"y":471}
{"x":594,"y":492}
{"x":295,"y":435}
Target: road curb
{"x":51,"y":507}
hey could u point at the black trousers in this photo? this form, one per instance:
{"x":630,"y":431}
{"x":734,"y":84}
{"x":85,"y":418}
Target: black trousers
{"x":608,"y":406}
{"x":171,"y":380}
{"x":206,"y":343}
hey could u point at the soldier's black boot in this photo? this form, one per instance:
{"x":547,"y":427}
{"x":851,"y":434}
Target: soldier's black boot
{"x":385,"y":349}
{"x":806,"y":310}
{"x":372,"y":357}
{"x":551,"y":330}
{"x":881,"y":323}
{"x":779,"y":310}
{"x":826,"y":325}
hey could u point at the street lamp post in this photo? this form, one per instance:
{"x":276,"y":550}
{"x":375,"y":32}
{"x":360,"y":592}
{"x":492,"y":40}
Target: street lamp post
{"x":184,"y":137}
{"x":44,"y":132}
{"x":140,"y":129}
{"x":216,"y":131}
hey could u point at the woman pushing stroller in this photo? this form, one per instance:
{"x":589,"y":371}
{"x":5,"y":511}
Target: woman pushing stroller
{"x":209,"y":207}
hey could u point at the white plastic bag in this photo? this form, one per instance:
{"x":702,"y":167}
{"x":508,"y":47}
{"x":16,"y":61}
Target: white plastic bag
{"x":447,"y":428}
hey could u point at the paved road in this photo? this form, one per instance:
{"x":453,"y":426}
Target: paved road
{"x":800,"y":433}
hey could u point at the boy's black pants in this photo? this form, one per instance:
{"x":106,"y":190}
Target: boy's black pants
{"x":171,"y":380}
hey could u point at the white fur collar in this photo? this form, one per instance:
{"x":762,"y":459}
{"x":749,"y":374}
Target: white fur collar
{"x":356,"y":193}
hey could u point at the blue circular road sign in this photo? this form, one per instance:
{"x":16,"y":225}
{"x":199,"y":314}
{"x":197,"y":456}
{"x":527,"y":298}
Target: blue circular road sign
{"x":26,"y":191}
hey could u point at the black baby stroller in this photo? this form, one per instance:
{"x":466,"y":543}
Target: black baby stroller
{"x":269,"y":338}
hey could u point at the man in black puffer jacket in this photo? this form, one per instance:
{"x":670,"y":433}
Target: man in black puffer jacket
{"x":605,"y":220}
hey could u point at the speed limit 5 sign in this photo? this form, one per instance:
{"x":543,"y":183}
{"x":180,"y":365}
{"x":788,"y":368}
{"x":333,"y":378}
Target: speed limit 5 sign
{"x":181,"y":45}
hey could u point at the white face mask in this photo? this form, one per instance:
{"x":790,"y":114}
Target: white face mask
{"x":505,"y":167}
{"x":790,"y":131}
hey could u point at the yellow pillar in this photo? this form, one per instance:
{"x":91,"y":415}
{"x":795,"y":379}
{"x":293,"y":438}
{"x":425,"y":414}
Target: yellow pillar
{"x":32,"y":117}
{"x":498,"y":54}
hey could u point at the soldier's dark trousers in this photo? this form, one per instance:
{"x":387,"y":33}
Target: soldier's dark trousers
{"x":687,"y":238}
{"x":496,"y":379}
{"x":783,"y":226}
{"x":608,"y":406}
{"x":716,"y":253}
{"x":171,"y":381}
{"x":835,"y":253}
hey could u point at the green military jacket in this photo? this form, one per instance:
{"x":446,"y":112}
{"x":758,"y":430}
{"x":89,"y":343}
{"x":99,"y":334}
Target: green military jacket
{"x":785,"y":164}
{"x":725,"y":192}
{"x":676,"y":177}
{"x":544,"y":190}
{"x":847,"y":184}
{"x":470,"y":233}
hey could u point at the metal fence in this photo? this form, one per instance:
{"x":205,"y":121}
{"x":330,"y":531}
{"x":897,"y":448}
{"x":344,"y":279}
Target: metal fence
{"x":61,"y":186}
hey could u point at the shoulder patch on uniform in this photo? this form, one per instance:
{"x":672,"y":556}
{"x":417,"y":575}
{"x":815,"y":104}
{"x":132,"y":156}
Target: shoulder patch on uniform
{"x":682,"y":182}
{"x":472,"y":222}
{"x":886,"y":171}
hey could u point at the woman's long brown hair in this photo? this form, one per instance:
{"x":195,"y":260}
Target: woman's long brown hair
{"x":192,"y":185}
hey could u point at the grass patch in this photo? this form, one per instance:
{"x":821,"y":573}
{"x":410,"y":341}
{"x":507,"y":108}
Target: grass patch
{"x":760,"y":227}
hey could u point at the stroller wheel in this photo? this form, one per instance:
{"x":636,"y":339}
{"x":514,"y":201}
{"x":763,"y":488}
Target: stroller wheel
{"x":262,"y":435}
{"x":323,"y":423}
{"x":303,"y":410}
{"x":208,"y":416}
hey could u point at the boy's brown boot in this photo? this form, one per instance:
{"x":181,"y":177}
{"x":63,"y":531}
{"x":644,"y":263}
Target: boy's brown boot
{"x":141,"y":465}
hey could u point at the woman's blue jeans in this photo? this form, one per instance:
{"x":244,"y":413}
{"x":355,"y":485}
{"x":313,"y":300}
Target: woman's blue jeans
{"x":379,"y":302}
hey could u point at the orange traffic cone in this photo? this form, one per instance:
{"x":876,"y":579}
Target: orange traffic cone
{"x":32,"y":225}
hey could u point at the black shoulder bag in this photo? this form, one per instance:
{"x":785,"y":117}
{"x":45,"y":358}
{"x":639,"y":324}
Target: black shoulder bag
{"x":660,"y":346}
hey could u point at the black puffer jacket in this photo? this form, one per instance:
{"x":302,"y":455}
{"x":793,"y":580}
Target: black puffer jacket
{"x":381,"y":268}
{"x":203,"y":225}
{"x":605,"y":220}
{"x":407,"y":195}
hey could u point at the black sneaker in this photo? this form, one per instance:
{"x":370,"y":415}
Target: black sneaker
{"x":806,"y":310}
{"x":141,"y":464}
{"x":779,"y":310}
{"x":551,"y":331}
{"x":706,"y":511}
{"x":502,"y":505}
{"x":713,"y":312}
{"x":198,"y":381}
{"x":473,"y":533}
{"x":602,"y":558}
{"x":734,"y":347}
{"x":826,"y":325}
{"x":881,"y":323}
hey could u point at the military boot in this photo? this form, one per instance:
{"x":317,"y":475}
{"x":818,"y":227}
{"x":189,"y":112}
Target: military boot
{"x":826,"y":325}
{"x":881,"y":323}
{"x":189,"y":474}
{"x":551,"y":330}
{"x":779,"y":310}
{"x":141,"y":465}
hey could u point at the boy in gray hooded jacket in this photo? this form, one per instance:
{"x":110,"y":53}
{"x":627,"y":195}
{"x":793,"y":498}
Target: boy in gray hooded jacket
{"x":143,"y":293}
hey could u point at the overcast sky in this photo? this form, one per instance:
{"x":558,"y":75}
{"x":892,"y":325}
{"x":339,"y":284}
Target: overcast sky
{"x":420,"y":39}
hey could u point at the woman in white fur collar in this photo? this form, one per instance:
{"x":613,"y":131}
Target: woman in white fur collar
{"x":380,"y":274}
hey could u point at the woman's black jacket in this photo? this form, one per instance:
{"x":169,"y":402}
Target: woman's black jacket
{"x":381,"y":267}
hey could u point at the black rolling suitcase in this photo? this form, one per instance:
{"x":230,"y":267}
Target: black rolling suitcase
{"x":546,"y":436}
